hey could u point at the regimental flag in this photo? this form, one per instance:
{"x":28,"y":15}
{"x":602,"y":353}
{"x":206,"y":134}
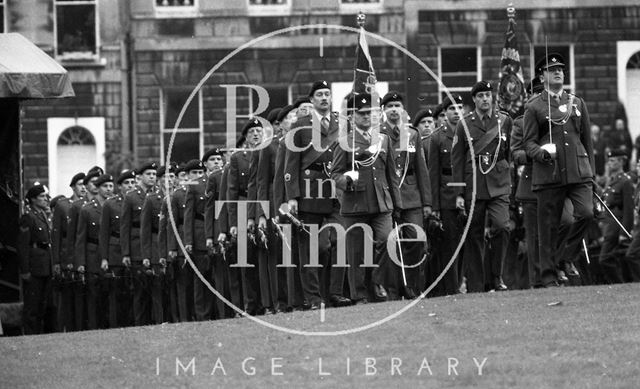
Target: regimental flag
{"x":364,"y":76}
{"x":511,"y":89}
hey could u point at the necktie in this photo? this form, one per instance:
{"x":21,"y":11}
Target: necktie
{"x":366,"y":136}
{"x":485,"y":121}
{"x":324,"y":122}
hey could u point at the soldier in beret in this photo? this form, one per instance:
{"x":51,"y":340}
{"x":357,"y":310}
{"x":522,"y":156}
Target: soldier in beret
{"x":130,"y":240}
{"x":72,"y":232}
{"x":36,"y":262}
{"x":425,"y":124}
{"x":415,"y":190}
{"x":120,"y":314}
{"x":490,"y":132}
{"x":213,"y":160}
{"x":61,"y":253}
{"x":618,"y":195}
{"x":195,"y":241}
{"x":557,"y":136}
{"x":439,"y":114}
{"x":444,"y":198}
{"x":310,"y":195}
{"x":87,"y":254}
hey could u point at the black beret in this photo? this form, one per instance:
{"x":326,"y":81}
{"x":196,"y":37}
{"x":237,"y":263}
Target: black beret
{"x":96,"y":169}
{"x":481,"y":86}
{"x":76,"y":178}
{"x":103,"y":179}
{"x":391,"y":96}
{"x":91,"y":174}
{"x":54,"y":201}
{"x":550,"y":61}
{"x":360,"y":102}
{"x":126,"y":174}
{"x":320,"y":84}
{"x":534,"y":86}
{"x":194,"y":164}
{"x":160,"y":171}
{"x":423,"y":113}
{"x":447,"y":102}
{"x":284,"y":112}
{"x":301,"y":100}
{"x":272,"y":117}
{"x":36,"y":190}
{"x":146,"y":166}
{"x":617,"y":153}
{"x":251,"y":123}
{"x":213,"y":151}
{"x":437,"y":111}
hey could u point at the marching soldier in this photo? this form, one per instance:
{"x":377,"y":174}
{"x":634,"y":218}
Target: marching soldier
{"x":194,"y":239}
{"x":311,"y":194}
{"x":212,"y":231}
{"x":61,"y":253}
{"x":369,"y":192}
{"x":111,"y":254}
{"x":557,"y":136}
{"x":154,"y":250}
{"x":415,"y":191}
{"x":183,"y":273}
{"x":444,"y":196}
{"x":130,"y":240}
{"x":618,"y":196}
{"x":490,"y":133}
{"x":36,"y":262}
{"x":87,"y":253}
{"x":237,"y":190}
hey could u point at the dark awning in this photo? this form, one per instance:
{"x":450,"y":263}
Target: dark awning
{"x":28,"y":72}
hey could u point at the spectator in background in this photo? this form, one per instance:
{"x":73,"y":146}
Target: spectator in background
{"x":598,"y":149}
{"x":619,"y":138}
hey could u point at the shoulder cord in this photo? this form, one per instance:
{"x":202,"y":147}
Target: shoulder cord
{"x":495,"y":154}
{"x":406,"y":164}
{"x":563,"y":119}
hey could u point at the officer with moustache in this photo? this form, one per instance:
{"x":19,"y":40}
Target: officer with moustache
{"x":369,"y":191}
{"x":88,"y":259}
{"x":111,"y":254}
{"x":490,"y":132}
{"x":130,"y":241}
{"x":415,"y":190}
{"x":557,"y":136}
{"x":61,"y":253}
{"x":36,"y":262}
{"x":310,"y":194}
{"x":444,"y":196}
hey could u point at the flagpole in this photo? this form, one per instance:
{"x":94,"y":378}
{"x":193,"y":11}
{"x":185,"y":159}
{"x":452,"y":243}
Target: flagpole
{"x":360,"y":19}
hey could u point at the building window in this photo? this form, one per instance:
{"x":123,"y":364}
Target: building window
{"x":76,"y":29}
{"x":2,"y":23}
{"x":459,"y":68}
{"x":188,"y":141}
{"x":367,"y":6}
{"x":176,"y":8}
{"x":268,"y":7}
{"x":537,"y":52}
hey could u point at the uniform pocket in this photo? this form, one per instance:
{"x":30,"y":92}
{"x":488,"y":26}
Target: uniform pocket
{"x":584,"y":167}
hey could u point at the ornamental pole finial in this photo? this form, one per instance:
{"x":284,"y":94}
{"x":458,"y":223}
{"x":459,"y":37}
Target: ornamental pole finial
{"x":360,"y":19}
{"x":511,"y":11}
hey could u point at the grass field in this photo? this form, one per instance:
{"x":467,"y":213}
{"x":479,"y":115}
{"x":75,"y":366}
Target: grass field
{"x":578,"y":337}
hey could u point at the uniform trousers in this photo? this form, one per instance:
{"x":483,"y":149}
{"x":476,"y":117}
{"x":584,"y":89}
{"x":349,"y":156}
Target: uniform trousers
{"x":183,"y":273}
{"x":530,"y":216}
{"x":550,"y":204}
{"x":120,"y":314}
{"x":273,"y":279}
{"x":202,"y":296}
{"x":412,"y":253}
{"x":37,"y":292}
{"x":632,"y":258}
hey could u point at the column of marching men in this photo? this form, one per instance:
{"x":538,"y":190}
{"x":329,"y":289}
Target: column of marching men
{"x":113,"y":254}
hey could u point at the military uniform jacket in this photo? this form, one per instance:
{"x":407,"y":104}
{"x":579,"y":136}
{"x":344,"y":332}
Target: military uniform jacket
{"x":194,"y":215}
{"x":376,"y":190}
{"x":110,"y":231}
{"x":415,"y":190}
{"x":265,"y":177}
{"x":497,"y":181}
{"x":223,"y":218}
{"x":618,"y":196}
{"x":150,"y":226}
{"x":59,"y":246}
{"x":72,"y":227}
{"x":574,"y":162}
{"x":443,"y":196}
{"x":178,"y":206}
{"x":237,"y":182}
{"x":425,"y":139}
{"x":88,"y":239}
{"x":279,"y":187}
{"x":303,"y":169}
{"x":130,"y":223}
{"x":252,"y":185}
{"x":211,"y":223}
{"x":164,"y":226}
{"x":34,"y":244}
